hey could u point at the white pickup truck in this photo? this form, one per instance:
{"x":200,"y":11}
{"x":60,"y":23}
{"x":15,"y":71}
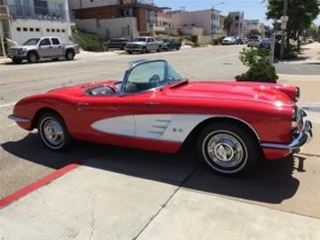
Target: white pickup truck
{"x":35,"y":49}
{"x":144,"y":45}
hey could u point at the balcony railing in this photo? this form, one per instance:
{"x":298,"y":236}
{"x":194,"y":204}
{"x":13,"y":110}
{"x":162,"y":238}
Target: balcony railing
{"x":30,"y":12}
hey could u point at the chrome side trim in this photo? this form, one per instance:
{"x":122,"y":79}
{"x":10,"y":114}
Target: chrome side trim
{"x":19,"y":119}
{"x":304,"y":137}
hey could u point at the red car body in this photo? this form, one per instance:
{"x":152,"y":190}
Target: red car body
{"x":267,"y":110}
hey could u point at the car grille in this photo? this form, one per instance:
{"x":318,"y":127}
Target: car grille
{"x":13,"y":51}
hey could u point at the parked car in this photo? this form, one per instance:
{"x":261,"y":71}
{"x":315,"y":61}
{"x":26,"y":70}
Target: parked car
{"x":254,"y":41}
{"x":144,"y":45}
{"x":310,"y":40}
{"x":238,"y":40}
{"x":265,"y":43}
{"x":117,"y":43}
{"x":171,"y":44}
{"x":232,"y":125}
{"x":35,"y":49}
{"x":228,"y":41}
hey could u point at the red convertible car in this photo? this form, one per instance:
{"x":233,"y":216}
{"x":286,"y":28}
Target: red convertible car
{"x":233,"y":125}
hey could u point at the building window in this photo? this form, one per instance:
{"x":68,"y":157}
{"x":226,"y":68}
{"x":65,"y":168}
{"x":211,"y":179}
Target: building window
{"x":18,"y":29}
{"x":62,"y":30}
{"x":37,"y":29}
{"x":48,"y":30}
{"x":58,"y":30}
{"x":53,"y":30}
{"x":25,"y":29}
{"x":41,"y":7}
{"x":31,"y":29}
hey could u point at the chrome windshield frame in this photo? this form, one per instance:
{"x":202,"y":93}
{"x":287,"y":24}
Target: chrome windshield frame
{"x":135,"y":64}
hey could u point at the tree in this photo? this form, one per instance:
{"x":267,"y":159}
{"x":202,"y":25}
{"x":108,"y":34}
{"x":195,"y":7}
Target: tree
{"x":313,"y":32}
{"x":253,"y":32}
{"x":301,"y":14}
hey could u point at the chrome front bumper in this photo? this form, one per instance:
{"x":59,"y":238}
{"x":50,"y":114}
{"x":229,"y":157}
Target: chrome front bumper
{"x":19,"y":119}
{"x":302,"y":138}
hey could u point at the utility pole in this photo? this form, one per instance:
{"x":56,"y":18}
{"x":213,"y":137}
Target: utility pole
{"x":284,"y":28}
{"x":212,"y":23}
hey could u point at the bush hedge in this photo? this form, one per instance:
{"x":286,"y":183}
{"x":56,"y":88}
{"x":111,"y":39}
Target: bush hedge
{"x":260,"y":68}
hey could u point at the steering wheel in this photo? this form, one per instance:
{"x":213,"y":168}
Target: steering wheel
{"x":155,"y":80}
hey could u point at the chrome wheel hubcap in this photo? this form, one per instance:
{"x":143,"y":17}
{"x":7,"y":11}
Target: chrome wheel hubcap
{"x":53,"y":132}
{"x":224,"y":150}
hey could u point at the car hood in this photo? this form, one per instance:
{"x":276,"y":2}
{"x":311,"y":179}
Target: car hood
{"x":236,"y":91}
{"x":19,"y":47}
{"x":138,"y":43}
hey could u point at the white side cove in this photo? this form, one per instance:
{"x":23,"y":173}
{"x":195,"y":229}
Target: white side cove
{"x":163,"y":127}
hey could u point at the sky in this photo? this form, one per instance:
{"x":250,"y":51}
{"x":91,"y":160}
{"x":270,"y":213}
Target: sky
{"x":253,"y":9}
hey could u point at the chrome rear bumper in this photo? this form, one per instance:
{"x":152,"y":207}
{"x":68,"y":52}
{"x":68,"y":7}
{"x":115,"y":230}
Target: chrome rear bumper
{"x":302,"y":138}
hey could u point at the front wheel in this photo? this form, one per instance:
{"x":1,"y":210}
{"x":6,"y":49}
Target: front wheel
{"x":32,"y":57}
{"x":53,"y":132}
{"x":228,"y":149}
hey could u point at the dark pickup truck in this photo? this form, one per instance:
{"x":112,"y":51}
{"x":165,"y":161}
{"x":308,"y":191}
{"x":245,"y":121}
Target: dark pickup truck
{"x":116,"y":43}
{"x":171,"y":44}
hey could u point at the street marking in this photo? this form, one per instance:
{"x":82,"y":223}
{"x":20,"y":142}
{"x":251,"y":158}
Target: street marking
{"x":36,"y":185}
{"x":7,"y":104}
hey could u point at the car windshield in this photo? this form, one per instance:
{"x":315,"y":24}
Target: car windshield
{"x":150,"y":75}
{"x":31,"y":42}
{"x":140,"y":40}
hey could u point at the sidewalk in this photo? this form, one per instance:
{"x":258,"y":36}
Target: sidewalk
{"x":4,"y":60}
{"x":90,"y":203}
{"x":310,"y":54}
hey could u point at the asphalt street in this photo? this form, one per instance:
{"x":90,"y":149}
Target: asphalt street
{"x":288,"y":185}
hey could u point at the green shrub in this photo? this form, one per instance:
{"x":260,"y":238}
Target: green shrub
{"x":260,"y":68}
{"x":290,"y":52}
{"x":88,"y":41}
{"x":217,"y":41}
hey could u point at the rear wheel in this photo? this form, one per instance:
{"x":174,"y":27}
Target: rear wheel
{"x":69,"y":55}
{"x":228,"y":149}
{"x":53,"y":132}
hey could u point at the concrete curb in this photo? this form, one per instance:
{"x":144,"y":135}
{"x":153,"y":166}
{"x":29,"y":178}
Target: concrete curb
{"x":36,"y":185}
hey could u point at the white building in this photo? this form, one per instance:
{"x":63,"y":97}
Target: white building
{"x":236,"y":24}
{"x":208,"y":20}
{"x":253,"y":24}
{"x":36,"y":18}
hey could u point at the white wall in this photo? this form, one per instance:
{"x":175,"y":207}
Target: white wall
{"x":197,"y":18}
{"x":75,"y":4}
{"x":116,"y":27}
{"x":21,"y":36}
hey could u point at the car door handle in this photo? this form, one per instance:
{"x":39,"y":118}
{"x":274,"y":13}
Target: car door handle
{"x":152,"y":103}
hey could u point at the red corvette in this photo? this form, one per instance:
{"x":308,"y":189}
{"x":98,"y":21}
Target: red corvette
{"x":233,"y":124}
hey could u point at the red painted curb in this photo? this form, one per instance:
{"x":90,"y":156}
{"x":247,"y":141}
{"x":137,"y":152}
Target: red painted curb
{"x":36,"y":185}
